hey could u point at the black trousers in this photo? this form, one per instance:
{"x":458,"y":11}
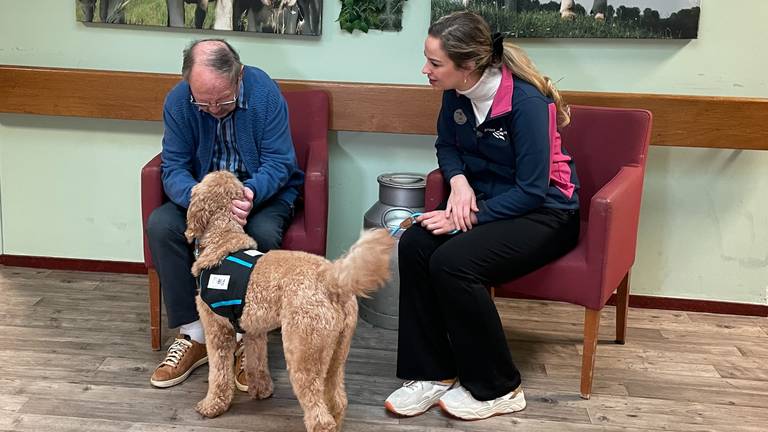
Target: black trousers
{"x":449,"y":326}
{"x":173,"y":256}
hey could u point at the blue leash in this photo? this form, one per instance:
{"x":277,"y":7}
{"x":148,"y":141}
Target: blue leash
{"x":405,"y":224}
{"x":409,"y":221}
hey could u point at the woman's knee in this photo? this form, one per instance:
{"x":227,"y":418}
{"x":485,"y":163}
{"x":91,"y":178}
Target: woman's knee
{"x":449,"y":265}
{"x":415,"y":244}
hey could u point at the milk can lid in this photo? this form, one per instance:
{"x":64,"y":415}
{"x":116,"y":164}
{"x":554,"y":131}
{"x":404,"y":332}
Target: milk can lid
{"x":403,"y":180}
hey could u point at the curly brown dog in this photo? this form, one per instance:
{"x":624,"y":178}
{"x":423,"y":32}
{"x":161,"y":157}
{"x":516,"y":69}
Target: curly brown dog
{"x":311,"y":298}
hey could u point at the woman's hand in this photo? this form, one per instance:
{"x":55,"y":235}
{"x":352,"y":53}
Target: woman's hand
{"x":436,"y":222}
{"x":461,"y":203}
{"x":242,"y":207}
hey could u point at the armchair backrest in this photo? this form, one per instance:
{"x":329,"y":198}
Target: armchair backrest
{"x":308,"y":113}
{"x":308,"y":117}
{"x":601,"y":141}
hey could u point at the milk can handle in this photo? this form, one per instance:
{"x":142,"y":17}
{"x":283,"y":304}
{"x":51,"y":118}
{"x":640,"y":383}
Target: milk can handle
{"x":384,"y":215}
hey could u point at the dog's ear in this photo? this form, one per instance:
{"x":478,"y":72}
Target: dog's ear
{"x":211,"y":201}
{"x":197,"y":216}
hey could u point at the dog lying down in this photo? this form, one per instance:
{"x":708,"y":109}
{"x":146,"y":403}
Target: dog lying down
{"x":311,"y":298}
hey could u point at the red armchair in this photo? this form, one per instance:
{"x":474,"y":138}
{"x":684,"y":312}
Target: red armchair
{"x":308,"y":116}
{"x":609,"y":146}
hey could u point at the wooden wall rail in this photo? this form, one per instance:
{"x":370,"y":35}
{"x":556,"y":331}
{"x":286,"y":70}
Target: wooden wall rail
{"x":687,"y":121}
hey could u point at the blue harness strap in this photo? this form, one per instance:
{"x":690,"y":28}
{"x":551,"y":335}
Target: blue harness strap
{"x":239,"y":261}
{"x":226,"y":303}
{"x":223,"y":287}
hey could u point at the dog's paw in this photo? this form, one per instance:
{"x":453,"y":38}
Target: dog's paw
{"x":261,"y":387}
{"x":323,"y":425}
{"x":210,"y":409}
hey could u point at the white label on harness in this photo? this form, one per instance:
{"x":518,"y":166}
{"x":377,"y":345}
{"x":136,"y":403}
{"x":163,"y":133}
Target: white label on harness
{"x":218,"y":282}
{"x":253,"y":252}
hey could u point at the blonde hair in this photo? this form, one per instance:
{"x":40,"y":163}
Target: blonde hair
{"x":466,"y":38}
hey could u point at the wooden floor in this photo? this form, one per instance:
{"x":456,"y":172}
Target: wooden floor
{"x":75,"y":356}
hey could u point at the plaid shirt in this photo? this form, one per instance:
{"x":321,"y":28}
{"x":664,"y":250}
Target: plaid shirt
{"x":226,"y":156}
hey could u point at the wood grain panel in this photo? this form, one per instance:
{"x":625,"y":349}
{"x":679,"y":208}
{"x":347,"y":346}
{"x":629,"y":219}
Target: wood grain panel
{"x":84,"y":93}
{"x":687,"y":121}
{"x":72,"y":367}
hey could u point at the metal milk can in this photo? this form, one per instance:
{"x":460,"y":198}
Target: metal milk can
{"x":400,"y":195}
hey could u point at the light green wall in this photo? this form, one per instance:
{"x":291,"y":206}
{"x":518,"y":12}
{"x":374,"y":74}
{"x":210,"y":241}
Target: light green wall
{"x":69,"y":187}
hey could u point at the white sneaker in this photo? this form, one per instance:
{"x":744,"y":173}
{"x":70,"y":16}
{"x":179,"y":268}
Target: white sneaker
{"x":416,"y":397}
{"x":461,"y":404}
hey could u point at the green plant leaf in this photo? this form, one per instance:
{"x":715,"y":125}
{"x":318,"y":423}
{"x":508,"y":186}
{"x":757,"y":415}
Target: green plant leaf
{"x":365,"y":15}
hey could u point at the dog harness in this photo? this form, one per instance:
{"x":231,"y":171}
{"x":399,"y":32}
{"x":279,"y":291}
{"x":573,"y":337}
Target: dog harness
{"x":223,"y":287}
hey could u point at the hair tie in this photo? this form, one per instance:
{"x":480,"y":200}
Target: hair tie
{"x":497,"y":43}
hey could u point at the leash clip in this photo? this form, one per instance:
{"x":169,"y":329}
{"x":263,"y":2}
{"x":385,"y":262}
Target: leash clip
{"x":409,"y":221}
{"x":405,"y":224}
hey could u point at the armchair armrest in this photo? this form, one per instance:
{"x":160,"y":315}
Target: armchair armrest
{"x":436,"y":191}
{"x":152,"y":196}
{"x":316,"y":195}
{"x":612,"y":228}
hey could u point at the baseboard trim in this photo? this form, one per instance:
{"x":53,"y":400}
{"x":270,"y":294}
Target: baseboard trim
{"x":86,"y":265}
{"x":693,"y":305}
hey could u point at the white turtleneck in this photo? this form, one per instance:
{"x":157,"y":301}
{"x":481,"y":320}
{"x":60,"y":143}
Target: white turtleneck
{"x":483,"y":92}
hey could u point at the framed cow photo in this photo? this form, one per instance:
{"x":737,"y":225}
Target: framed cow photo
{"x":286,"y":17}
{"x":637,"y":19}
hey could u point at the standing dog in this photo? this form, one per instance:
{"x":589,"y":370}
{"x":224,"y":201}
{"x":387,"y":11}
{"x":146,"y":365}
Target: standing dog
{"x":311,"y":298}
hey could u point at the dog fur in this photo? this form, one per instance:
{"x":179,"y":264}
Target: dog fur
{"x":311,"y":298}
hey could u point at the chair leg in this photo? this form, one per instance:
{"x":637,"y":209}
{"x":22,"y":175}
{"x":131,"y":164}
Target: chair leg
{"x":591,"y":327}
{"x":155,"y":303}
{"x":622,"y":308}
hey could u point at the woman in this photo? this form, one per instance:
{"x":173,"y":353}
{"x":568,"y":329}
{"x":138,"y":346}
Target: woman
{"x":513,"y":204}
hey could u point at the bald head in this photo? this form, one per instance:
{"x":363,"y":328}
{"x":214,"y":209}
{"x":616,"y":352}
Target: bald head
{"x":214,"y":54}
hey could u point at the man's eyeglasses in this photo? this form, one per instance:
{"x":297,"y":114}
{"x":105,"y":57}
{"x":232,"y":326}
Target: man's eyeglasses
{"x":203,"y":105}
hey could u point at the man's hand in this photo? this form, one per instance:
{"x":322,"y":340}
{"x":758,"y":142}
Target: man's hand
{"x":242,"y":207}
{"x":461,"y":203}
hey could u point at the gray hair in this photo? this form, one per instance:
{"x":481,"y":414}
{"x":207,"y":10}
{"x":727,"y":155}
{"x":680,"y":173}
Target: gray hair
{"x":219,"y":56}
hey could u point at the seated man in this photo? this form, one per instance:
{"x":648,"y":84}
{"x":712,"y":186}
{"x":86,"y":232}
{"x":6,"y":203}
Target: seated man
{"x":221,"y":116}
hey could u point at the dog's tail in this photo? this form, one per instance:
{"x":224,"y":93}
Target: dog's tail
{"x":365,"y":267}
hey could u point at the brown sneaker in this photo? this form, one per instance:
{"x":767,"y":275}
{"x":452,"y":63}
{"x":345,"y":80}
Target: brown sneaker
{"x":184,"y":356}
{"x":241,"y":381}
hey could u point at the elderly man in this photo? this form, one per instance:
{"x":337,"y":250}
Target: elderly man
{"x":221,"y":116}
